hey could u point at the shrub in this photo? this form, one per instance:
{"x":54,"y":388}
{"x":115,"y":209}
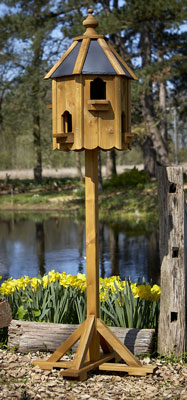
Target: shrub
{"x":129,"y":179}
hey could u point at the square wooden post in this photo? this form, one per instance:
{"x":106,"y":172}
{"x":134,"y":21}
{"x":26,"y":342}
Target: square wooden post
{"x":92,"y":239}
{"x":92,"y":244}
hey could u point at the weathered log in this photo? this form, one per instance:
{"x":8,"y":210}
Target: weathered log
{"x":36,"y":336}
{"x":173,"y":253}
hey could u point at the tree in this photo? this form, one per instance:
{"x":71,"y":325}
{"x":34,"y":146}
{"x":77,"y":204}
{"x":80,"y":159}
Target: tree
{"x":29,"y":24}
{"x":146,"y":35}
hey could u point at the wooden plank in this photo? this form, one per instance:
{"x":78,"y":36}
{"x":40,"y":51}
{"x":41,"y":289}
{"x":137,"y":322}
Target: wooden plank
{"x":118,"y":112}
{"x":84,"y":343}
{"x":111,"y":57}
{"x":98,"y":102}
{"x":128,"y":101}
{"x":106,"y":123}
{"x":36,"y":336}
{"x":117,"y":346}
{"x":60,"y":135}
{"x":91,"y":129}
{"x":81,"y":56}
{"x":54,"y":112}
{"x":98,"y":105}
{"x":48,"y":365}
{"x":128,"y":137}
{"x":68,"y":51}
{"x":91,"y":365}
{"x":142,"y":371}
{"x":122,"y":62}
{"x":65,"y":138}
{"x":79,"y":112}
{"x":172,"y":330}
{"x":92,"y":243}
{"x":80,"y":37}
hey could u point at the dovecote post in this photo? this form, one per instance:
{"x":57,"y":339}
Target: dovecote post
{"x":91,"y":111}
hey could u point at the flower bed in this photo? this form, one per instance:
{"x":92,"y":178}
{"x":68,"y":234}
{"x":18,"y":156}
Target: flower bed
{"x":61,"y":298}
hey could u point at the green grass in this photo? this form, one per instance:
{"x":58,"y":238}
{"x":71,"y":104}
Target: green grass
{"x":131,"y":195}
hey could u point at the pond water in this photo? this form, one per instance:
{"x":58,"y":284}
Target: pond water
{"x":33,"y":244}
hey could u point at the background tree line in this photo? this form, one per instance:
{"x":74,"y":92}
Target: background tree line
{"x":149,"y":35}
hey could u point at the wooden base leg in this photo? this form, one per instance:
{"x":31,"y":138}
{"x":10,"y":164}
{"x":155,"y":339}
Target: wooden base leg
{"x":117,"y":346}
{"x":112,"y":348}
{"x":61,"y":351}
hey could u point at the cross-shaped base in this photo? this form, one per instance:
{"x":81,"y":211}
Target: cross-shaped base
{"x":93,"y":335}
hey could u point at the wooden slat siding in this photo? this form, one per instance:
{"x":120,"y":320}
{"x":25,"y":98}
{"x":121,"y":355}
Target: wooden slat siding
{"x":118,"y":110}
{"x":91,"y":131}
{"x":113,"y":341}
{"x":111,"y":57}
{"x":37,"y":336}
{"x":128,"y":86}
{"x":68,"y":51}
{"x":106,"y":125}
{"x":81,"y":56}
{"x":79,"y":112}
{"x":54,"y":112}
{"x":123,"y":62}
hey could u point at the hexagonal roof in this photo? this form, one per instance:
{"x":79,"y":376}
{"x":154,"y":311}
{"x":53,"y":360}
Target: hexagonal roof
{"x":90,"y":54}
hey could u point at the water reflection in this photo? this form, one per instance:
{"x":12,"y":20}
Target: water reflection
{"x":36,"y":244}
{"x":40,"y":246}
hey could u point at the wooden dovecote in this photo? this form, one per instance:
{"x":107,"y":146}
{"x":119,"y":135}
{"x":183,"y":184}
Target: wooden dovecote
{"x":91,"y":110}
{"x":91,"y":95}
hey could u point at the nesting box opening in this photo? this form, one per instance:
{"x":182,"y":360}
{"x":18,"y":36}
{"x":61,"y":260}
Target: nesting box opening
{"x":66,"y":120}
{"x":98,"y":89}
{"x":122,"y":122}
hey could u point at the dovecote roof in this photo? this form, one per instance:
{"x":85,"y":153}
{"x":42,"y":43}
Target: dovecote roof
{"x":90,"y":53}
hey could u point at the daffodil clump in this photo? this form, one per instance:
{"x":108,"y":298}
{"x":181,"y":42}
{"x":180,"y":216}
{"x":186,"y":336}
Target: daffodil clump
{"x":106,"y":285}
{"x":61,"y":298}
{"x":12,"y":285}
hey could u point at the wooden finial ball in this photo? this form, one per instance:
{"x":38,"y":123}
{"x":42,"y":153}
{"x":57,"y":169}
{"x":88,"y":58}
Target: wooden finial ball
{"x":90,"y":21}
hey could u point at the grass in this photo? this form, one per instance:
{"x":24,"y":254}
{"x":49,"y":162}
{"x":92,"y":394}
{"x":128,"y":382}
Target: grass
{"x":129,"y":195}
{"x":171,"y":358}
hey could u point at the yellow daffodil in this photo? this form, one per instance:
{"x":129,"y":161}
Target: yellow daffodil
{"x":107,"y":286}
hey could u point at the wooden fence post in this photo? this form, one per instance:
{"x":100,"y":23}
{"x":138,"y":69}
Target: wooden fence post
{"x":173,"y":253}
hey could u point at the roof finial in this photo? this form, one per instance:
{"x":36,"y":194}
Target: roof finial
{"x":90,"y":23}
